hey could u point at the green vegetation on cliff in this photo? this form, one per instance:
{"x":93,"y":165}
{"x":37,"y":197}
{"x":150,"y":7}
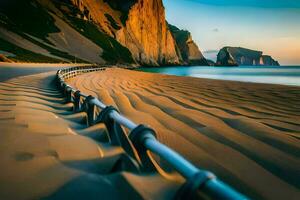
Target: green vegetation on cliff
{"x":33,"y":22}
{"x":23,"y":55}
{"x":113,"y":51}
{"x":112,"y":22}
{"x":29,"y":17}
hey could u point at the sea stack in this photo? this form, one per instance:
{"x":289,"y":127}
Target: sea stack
{"x":234,"y":56}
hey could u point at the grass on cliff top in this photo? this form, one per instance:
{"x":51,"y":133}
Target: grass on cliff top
{"x":24,"y":55}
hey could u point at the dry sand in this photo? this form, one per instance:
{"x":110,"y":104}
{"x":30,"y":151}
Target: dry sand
{"x":45,"y":152}
{"x":247,"y":134}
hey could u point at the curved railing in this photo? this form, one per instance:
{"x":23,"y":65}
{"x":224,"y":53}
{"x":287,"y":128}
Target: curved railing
{"x":141,"y":139}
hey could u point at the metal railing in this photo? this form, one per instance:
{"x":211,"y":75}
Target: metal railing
{"x":200,"y":184}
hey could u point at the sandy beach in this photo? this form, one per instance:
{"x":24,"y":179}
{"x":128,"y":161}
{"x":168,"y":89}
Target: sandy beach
{"x":47,"y":151}
{"x":247,"y":134}
{"x":149,"y":100}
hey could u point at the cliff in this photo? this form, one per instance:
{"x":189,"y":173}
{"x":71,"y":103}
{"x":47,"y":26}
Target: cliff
{"x":138,"y":25}
{"x":188,"y":49}
{"x":98,"y":31}
{"x":233,"y":56}
{"x":55,"y":31}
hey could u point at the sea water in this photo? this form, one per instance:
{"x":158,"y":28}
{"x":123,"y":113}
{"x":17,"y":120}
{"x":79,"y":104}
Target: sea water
{"x":284,"y":75}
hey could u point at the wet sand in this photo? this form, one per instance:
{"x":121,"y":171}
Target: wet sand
{"x":248,"y":134}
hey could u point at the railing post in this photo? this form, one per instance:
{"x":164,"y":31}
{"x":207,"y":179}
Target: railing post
{"x":77,"y":101}
{"x":137,"y":136}
{"x":89,"y":108}
{"x":191,"y":189}
{"x":113,"y":129}
{"x":116,"y":134}
{"x":68,"y":92}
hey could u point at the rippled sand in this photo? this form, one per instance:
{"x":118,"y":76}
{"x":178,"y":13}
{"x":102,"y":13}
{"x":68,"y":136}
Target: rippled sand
{"x":248,"y":134}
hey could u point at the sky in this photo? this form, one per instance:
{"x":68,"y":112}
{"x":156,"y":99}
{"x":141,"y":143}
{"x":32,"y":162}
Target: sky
{"x":271,"y":26}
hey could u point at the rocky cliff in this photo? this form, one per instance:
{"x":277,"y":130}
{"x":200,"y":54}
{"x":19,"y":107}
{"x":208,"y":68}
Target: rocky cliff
{"x":98,"y":31}
{"x":233,"y":56}
{"x":146,"y":24}
{"x":137,"y":24}
{"x":56,"y":31}
{"x":188,"y":49}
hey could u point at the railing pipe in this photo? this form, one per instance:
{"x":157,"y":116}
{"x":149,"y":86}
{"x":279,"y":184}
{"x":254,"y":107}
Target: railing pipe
{"x":122,"y":120}
{"x":184,"y":167}
{"x":116,"y":116}
{"x":216,"y":189}
{"x":99,"y":104}
{"x":84,"y":95}
{"x":210,"y":186}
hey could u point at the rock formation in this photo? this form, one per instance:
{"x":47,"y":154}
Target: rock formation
{"x":146,"y":34}
{"x":138,"y":25}
{"x":225,"y":58}
{"x":98,"y":31}
{"x":188,"y":49}
{"x":233,"y":56}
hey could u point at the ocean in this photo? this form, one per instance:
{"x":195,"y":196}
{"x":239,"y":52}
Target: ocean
{"x":283,"y":75}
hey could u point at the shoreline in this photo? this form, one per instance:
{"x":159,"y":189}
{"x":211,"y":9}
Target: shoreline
{"x":234,"y":81}
{"x":284,"y":75}
{"x":32,"y":68}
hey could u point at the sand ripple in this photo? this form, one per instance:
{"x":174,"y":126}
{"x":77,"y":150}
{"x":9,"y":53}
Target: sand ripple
{"x":248,"y":134}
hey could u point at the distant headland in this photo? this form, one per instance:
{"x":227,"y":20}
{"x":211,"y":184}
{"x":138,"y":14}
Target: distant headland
{"x":235,"y":56}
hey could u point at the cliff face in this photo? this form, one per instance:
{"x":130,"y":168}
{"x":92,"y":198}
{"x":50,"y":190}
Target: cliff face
{"x":138,"y":25}
{"x":188,"y":49}
{"x":269,"y":61}
{"x":97,"y":31}
{"x":59,"y":31}
{"x":147,"y":35}
{"x":233,"y":56}
{"x":225,"y":58}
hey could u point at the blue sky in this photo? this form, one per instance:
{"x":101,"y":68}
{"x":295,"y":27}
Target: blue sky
{"x":268,"y":25}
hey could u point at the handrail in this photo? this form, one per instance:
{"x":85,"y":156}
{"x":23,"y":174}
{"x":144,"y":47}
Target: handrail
{"x":200,"y":183}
